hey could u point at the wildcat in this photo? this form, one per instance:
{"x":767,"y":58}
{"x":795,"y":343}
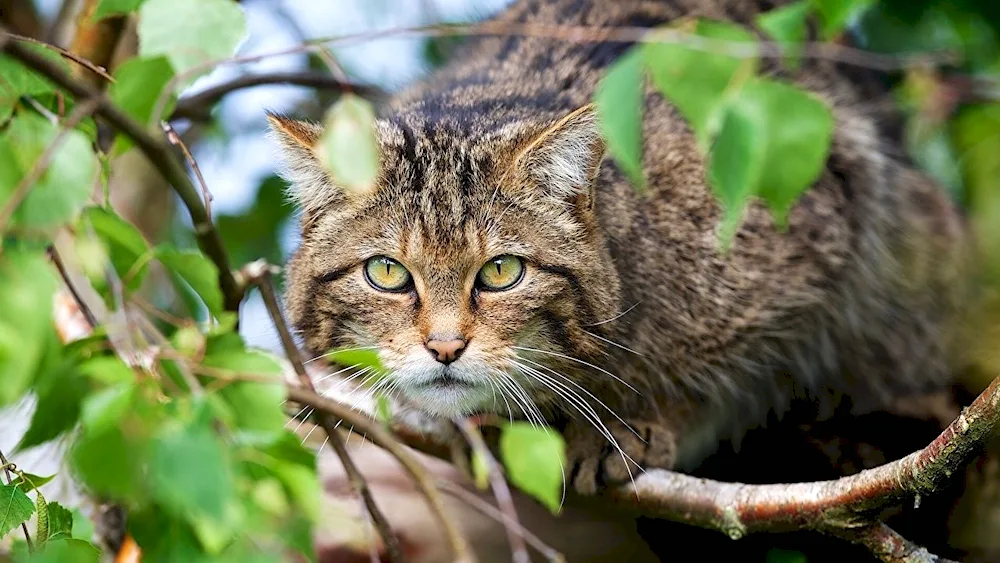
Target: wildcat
{"x":502,"y":263}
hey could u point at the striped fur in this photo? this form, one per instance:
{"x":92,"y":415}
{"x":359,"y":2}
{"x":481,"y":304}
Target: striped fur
{"x":498,"y":153}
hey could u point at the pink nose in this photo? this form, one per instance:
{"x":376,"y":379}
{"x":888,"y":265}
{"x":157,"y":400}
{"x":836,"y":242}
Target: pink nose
{"x":446,"y":351}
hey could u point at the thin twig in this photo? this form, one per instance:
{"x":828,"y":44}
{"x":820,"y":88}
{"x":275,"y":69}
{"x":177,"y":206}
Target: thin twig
{"x":174,"y":139}
{"x":64,"y":274}
{"x":24,"y":525}
{"x":80,"y":112}
{"x":519,"y":551}
{"x":65,"y":53}
{"x":890,"y":547}
{"x":587,"y":34}
{"x":197,"y":106}
{"x":159,"y":154}
{"x":259,"y":274}
{"x":549,"y":552}
{"x":388,"y":442}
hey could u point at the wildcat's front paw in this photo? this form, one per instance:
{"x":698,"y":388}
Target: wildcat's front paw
{"x":595,"y":462}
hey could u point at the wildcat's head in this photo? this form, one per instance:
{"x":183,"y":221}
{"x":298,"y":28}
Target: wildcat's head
{"x":472,"y":262}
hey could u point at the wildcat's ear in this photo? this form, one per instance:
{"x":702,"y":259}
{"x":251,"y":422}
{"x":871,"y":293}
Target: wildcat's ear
{"x":565,"y":158}
{"x":310,"y":184}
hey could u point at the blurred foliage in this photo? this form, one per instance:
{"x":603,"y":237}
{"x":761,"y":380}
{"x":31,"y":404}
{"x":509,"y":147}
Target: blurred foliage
{"x":182,"y":423}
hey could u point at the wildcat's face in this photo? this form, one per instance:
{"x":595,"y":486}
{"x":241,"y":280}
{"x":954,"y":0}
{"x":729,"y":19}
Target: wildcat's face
{"x":471,"y":268}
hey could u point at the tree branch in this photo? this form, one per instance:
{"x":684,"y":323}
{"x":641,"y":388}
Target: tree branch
{"x":95,"y":40}
{"x":198,"y":106}
{"x":159,"y":154}
{"x":259,"y":274}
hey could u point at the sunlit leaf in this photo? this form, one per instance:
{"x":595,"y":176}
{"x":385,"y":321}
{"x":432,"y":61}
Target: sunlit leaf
{"x":357,"y":359}
{"x":137,"y":87}
{"x":698,"y":81}
{"x":27,"y":286}
{"x":735,"y":163}
{"x":83,"y":528}
{"x":197,"y":271}
{"x":16,"y":80}
{"x":62,"y":190}
{"x":28,"y":482}
{"x":190,"y":32}
{"x":619,"y":100}
{"x":787,"y":26}
{"x":799,"y":130}
{"x":977,"y":139}
{"x":65,"y":550}
{"x":127,"y":249}
{"x":15,"y":507}
{"x":60,"y":522}
{"x":107,"y":8}
{"x":256,"y":405}
{"x":102,"y":410}
{"x":189,"y":472}
{"x":835,"y":15}
{"x":534,"y":458}
{"x":348,"y":147}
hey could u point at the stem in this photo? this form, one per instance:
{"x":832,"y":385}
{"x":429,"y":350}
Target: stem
{"x":24,"y":525}
{"x":519,"y":551}
{"x":259,"y":273}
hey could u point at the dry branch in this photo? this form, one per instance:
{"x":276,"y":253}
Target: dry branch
{"x":198,"y":106}
{"x":159,"y":154}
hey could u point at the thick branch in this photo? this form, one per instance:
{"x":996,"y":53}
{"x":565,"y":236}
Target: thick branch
{"x":845,"y":503}
{"x":198,"y":106}
{"x":159,"y":154}
{"x":259,"y":274}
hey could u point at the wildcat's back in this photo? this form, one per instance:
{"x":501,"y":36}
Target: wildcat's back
{"x":625,"y":300}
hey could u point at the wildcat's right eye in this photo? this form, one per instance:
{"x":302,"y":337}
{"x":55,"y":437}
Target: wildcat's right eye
{"x":386,"y":274}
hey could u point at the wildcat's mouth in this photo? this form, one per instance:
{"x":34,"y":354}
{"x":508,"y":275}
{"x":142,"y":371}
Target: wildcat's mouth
{"x":447,"y":381}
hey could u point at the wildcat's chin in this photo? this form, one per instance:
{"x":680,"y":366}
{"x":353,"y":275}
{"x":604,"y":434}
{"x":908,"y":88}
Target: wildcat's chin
{"x":450,"y":391}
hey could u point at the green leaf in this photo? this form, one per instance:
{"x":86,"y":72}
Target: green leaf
{"x":60,"y":392}
{"x":107,"y":8}
{"x":109,"y":370}
{"x":785,"y":556}
{"x":109,"y":461}
{"x":139,"y":81}
{"x":282,"y":455}
{"x":360,"y":359}
{"x":382,"y":409}
{"x":82,"y":526}
{"x":835,"y":15}
{"x":16,"y":80}
{"x":977,"y":139}
{"x":787,"y":26}
{"x":104,"y":409}
{"x":256,"y":405}
{"x":698,"y":81}
{"x":190,"y":32}
{"x":348,"y":148}
{"x":734,"y":166}
{"x":798,"y":133}
{"x":66,"y":550}
{"x":27,"y":286}
{"x":197,"y":271}
{"x":64,"y":187}
{"x":534,"y":458}
{"x":127,"y":249}
{"x":189,"y":472}
{"x":619,"y":100}
{"x":28,"y":482}
{"x":15,"y":507}
{"x":480,"y":470}
{"x":60,"y":522}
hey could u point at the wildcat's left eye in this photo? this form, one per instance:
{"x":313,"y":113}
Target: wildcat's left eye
{"x":386,"y":274}
{"x":500,"y":273}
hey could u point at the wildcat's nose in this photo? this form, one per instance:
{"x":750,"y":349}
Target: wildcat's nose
{"x":446,"y":351}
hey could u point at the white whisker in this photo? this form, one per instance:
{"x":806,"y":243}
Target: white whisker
{"x":618,"y":316}
{"x":579,"y":361}
{"x":613,"y":343}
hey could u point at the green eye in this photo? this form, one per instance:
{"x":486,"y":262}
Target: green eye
{"x":386,"y":274}
{"x":500,"y":273}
